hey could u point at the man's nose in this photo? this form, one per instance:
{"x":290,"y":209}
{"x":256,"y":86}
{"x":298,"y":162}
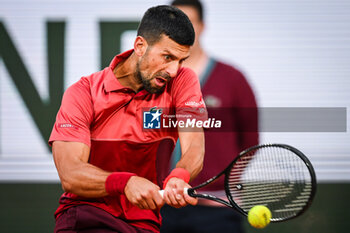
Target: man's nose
{"x":172,"y":68}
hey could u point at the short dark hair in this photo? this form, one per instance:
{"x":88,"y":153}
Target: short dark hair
{"x":192,"y":3}
{"x":166,"y":20}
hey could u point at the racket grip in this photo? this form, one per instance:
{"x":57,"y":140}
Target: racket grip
{"x":161,"y":192}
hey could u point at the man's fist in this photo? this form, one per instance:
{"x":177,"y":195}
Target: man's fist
{"x":143,"y":193}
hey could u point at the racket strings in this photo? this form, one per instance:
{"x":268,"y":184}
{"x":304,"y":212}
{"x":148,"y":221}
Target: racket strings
{"x":271,"y":176}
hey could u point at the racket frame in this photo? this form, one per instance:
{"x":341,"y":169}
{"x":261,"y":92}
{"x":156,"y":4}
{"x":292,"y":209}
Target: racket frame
{"x":227,"y":170}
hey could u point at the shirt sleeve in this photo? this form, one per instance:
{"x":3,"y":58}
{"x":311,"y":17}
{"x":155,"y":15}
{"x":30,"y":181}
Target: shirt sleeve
{"x":75,"y":115}
{"x":187,"y":96}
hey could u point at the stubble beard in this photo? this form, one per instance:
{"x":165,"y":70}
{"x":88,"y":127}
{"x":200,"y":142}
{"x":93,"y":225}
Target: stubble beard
{"x":146,"y":81}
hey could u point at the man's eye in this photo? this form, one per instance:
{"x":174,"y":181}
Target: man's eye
{"x":167,"y":57}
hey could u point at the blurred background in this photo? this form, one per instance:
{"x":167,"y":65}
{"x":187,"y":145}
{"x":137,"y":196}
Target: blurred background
{"x":295,"y":54}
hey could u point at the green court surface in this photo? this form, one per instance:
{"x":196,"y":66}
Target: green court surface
{"x":30,"y":208}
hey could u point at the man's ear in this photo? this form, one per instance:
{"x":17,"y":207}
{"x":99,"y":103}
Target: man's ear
{"x":140,"y":46}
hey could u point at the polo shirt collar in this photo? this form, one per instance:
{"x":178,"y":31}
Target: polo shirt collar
{"x":111,"y":83}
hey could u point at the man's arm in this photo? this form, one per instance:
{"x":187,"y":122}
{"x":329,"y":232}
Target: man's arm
{"x":76,"y":174}
{"x":86,"y":180}
{"x":192,"y":147}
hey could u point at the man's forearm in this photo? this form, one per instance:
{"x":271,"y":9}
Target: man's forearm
{"x":192,"y":145}
{"x":80,"y":177}
{"x":192,"y":161}
{"x":85,"y":180}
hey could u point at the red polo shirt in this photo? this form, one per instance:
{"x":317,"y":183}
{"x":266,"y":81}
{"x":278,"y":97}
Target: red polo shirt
{"x":108,"y":117}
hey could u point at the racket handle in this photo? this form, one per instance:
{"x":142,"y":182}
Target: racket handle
{"x":161,"y":192}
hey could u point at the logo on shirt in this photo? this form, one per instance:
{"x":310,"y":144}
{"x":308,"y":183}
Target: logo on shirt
{"x":67,"y":125}
{"x":152,"y":118}
{"x":194,"y":103}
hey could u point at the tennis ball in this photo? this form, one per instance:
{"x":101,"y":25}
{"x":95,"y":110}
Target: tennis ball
{"x":259,"y":216}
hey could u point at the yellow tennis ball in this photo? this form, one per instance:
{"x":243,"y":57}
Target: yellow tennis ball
{"x":259,"y":216}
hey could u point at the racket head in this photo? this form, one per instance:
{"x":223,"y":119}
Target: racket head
{"x":278,"y":176}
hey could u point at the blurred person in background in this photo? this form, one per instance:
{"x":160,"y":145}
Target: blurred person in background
{"x":223,"y":87}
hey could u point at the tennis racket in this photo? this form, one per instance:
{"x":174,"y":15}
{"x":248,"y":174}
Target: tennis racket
{"x":277,"y":176}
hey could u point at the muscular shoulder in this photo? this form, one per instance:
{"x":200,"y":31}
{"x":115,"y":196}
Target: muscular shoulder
{"x":86,"y":86}
{"x":185,"y":74}
{"x":185,"y":77}
{"x":185,"y":88}
{"x":81,"y":95}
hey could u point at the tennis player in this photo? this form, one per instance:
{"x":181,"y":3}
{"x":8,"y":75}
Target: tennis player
{"x":108,"y":162}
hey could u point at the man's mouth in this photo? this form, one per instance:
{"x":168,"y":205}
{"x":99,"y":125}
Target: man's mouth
{"x":160,"y":81}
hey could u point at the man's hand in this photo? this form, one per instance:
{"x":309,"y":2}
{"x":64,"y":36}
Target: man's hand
{"x":174,"y":194}
{"x":143,"y":193}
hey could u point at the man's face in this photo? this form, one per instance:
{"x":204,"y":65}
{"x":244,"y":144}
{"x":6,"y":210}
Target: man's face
{"x":160,"y":63}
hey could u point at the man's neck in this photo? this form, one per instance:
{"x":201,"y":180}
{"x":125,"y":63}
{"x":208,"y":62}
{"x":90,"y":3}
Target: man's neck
{"x":125,"y":72}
